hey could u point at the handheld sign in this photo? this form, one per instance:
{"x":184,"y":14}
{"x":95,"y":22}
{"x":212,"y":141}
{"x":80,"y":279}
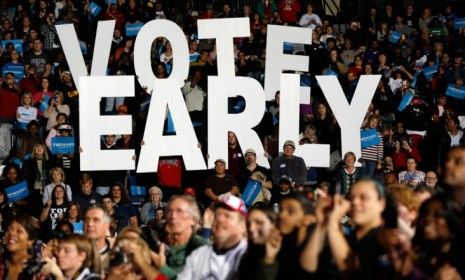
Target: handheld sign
{"x":251,"y":191}
{"x":430,"y":71}
{"x":44,"y":104}
{"x":17,"y":44}
{"x":394,"y":37}
{"x":17,"y":192}
{"x":16,"y":69}
{"x":133,"y":28}
{"x":369,"y":138}
{"x":94,"y":9}
{"x":405,"y":101}
{"x":62,"y":145}
{"x":458,"y":93}
{"x":459,"y":23}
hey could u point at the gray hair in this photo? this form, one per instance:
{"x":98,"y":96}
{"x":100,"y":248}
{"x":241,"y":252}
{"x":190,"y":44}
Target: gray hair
{"x":156,"y":189}
{"x":106,"y":216}
{"x":192,"y":208}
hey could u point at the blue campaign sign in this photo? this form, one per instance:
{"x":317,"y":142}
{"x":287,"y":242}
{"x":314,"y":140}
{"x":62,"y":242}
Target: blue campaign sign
{"x":94,"y":9}
{"x":369,"y":138}
{"x":251,"y":191}
{"x":405,"y":101}
{"x":458,"y":93}
{"x":288,"y":47}
{"x":17,"y":192}
{"x":43,"y":106}
{"x":16,"y":69}
{"x":111,"y":2}
{"x":132,"y":29}
{"x":459,"y":23}
{"x":18,"y":44}
{"x":394,"y":37}
{"x":430,"y":71}
{"x":138,"y":190}
{"x":330,"y":72}
{"x":62,"y":145}
{"x":170,"y":124}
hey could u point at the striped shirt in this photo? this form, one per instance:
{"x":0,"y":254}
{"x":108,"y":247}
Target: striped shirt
{"x":374,"y":152}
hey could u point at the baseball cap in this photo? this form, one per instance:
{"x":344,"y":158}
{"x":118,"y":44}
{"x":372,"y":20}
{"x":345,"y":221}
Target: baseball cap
{"x":250,"y":151}
{"x":220,"y":160}
{"x":286,"y":179}
{"x":189,"y":191}
{"x":289,"y":143}
{"x":65,"y":127}
{"x":232,"y":203}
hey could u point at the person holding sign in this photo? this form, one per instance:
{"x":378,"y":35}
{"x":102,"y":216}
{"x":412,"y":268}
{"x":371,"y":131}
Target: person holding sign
{"x":42,"y":99}
{"x":254,"y":172}
{"x":14,"y":66}
{"x":12,"y":176}
{"x":372,"y":154}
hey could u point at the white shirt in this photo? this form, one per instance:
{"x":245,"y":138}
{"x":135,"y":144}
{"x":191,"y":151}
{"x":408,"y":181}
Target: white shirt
{"x":204,"y":263}
{"x":48,"y":192}
{"x":194,"y":97}
{"x":306,"y":20}
{"x":455,"y":139}
{"x":26,"y":114}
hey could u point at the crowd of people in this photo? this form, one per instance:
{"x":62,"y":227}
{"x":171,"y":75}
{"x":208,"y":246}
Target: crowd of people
{"x":397,"y":212}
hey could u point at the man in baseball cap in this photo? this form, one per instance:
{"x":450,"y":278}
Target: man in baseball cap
{"x":229,"y":244}
{"x":220,"y":183}
{"x":290,"y":165}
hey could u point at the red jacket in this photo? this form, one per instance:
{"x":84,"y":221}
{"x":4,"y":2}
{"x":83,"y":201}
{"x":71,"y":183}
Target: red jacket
{"x":9,"y":102}
{"x":289,"y":13}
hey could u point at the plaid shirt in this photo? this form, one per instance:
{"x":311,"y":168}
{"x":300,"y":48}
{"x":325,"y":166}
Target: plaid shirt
{"x":50,"y":34}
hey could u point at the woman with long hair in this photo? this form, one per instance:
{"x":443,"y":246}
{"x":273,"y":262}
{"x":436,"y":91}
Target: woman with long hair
{"x":36,"y":170}
{"x":54,"y":210}
{"x":74,"y":216}
{"x":357,"y":253}
{"x":286,"y":243}
{"x":120,"y":197}
{"x":261,"y":220}
{"x":438,"y":242}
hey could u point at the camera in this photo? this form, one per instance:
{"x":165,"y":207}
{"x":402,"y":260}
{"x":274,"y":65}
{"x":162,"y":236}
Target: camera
{"x":118,"y":257}
{"x":35,"y":264}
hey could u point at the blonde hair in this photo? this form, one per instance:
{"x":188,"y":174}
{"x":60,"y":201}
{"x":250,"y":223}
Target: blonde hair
{"x":23,"y":97}
{"x":59,"y":170}
{"x":36,"y":145}
{"x":59,"y":94}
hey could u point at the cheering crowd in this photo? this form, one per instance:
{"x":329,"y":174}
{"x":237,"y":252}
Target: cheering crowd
{"x":397,"y":212}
